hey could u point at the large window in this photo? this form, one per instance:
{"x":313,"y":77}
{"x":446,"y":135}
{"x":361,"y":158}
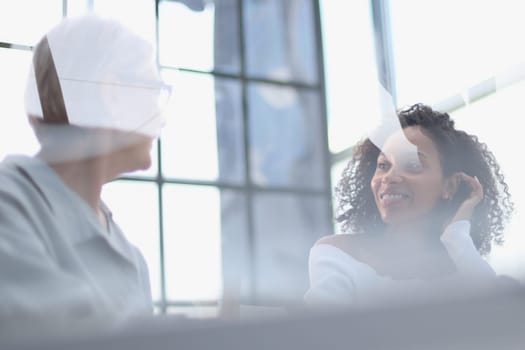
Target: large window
{"x":240,"y":187}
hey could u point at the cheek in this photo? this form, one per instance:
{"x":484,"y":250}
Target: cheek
{"x":374,"y":184}
{"x":373,"y":189}
{"x":429,"y":193}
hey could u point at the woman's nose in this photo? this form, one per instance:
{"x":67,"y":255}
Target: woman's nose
{"x":392,"y":176}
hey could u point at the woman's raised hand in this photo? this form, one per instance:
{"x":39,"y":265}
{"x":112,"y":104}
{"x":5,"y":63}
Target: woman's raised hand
{"x":466,"y":208}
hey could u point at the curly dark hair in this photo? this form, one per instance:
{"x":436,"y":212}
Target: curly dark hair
{"x":459,"y":152}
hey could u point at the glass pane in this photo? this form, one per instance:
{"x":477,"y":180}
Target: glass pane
{"x":135,"y":210}
{"x":350,"y":70}
{"x":235,"y":248}
{"x":138,"y":15}
{"x":280,"y":40}
{"x":441,"y":47}
{"x":26,"y":21}
{"x":192,"y":243}
{"x":286,"y":139}
{"x":203,"y":136}
{"x":16,"y":135}
{"x":496,"y":120}
{"x":286,"y":227}
{"x":199,"y":35}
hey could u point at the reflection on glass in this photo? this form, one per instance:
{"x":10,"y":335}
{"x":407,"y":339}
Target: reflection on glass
{"x":24,"y":22}
{"x":416,"y":225}
{"x":203,"y":135}
{"x":200,"y":35}
{"x":192,"y":243}
{"x":280,"y":40}
{"x":16,"y":135}
{"x":138,"y":14}
{"x":135,"y":210}
{"x":435,"y":60}
{"x":285,"y":137}
{"x":286,"y":227}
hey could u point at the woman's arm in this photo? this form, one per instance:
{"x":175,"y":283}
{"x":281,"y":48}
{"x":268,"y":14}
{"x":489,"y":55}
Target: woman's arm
{"x":330,"y":277}
{"x":460,"y":247}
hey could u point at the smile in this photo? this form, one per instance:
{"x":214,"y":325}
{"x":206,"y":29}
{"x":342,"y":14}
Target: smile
{"x":386,"y":195}
{"x":392,"y":198}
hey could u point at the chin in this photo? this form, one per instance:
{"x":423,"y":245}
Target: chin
{"x":394,"y":218}
{"x":145,"y":165}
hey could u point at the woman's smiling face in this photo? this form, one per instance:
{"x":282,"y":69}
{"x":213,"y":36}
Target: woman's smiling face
{"x":408,"y":181}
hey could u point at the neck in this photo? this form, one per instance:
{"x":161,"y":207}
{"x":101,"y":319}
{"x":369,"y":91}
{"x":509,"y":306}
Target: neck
{"x":414,"y":236}
{"x":85,"y":177}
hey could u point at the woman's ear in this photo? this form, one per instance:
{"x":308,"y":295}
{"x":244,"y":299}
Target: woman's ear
{"x":450,"y":186}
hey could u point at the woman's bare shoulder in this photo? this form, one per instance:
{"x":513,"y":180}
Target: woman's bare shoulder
{"x":353,"y":244}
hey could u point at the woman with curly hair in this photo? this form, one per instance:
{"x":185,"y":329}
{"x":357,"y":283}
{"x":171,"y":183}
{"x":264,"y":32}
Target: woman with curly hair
{"x":418,"y":212}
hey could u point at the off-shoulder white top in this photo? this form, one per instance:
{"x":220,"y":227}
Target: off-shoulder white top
{"x":337,"y":278}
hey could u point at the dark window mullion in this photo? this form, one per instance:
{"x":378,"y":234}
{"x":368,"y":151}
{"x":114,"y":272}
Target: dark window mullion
{"x":226,"y":185}
{"x":241,"y":76}
{"x":15,"y":46}
{"x":247,"y":161}
{"x":160,"y":181}
{"x":383,"y":45}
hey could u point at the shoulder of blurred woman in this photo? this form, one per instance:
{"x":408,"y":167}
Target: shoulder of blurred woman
{"x":354,"y":244}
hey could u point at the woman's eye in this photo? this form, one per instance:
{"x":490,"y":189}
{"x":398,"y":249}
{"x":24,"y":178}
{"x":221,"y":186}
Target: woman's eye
{"x":413,"y":166}
{"x":382,"y":165}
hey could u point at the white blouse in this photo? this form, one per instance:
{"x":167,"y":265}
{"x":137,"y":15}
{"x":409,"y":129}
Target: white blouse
{"x":337,"y":278}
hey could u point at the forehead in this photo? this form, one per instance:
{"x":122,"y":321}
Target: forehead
{"x":410,"y":140}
